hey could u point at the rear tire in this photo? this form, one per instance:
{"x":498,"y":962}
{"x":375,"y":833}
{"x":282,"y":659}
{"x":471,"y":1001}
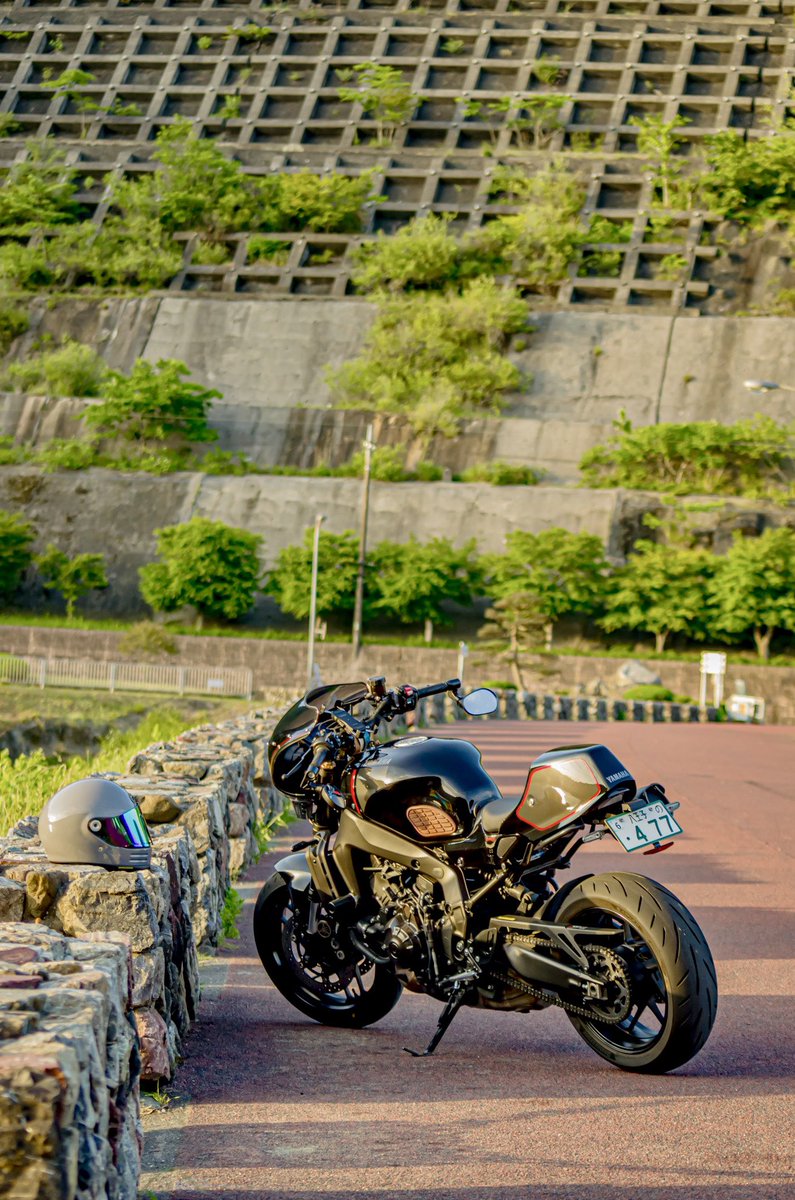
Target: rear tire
{"x":674,"y":987}
{"x":350,"y":991}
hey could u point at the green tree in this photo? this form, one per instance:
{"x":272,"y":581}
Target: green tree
{"x":563,"y":571}
{"x":212,"y":566}
{"x":72,"y":577}
{"x":754,"y":587}
{"x":513,"y":627}
{"x":289,"y":582}
{"x":383,"y":93}
{"x":411,"y":581}
{"x":662,"y":589}
{"x":154,"y":404}
{"x":754,"y":181}
{"x":16,"y":536}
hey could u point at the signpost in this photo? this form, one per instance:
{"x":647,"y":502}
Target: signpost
{"x":712,"y":663}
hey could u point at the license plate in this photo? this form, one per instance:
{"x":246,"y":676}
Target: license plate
{"x":643,"y":827}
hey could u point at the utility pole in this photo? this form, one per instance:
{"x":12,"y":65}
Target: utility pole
{"x":310,"y":649}
{"x":356,"y":639}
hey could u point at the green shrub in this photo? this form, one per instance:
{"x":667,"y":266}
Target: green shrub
{"x":224,"y":462}
{"x":72,"y":577}
{"x":66,"y":454}
{"x":14,"y":322}
{"x":10,"y":453}
{"x":233,"y":906}
{"x":383,"y":92}
{"x":267,"y":249}
{"x":648,"y":691}
{"x":321,"y":203}
{"x":427,"y":472}
{"x":147,"y":639}
{"x":38,"y":193}
{"x":499,"y":685}
{"x":501,"y":474}
{"x":153,"y":404}
{"x":211,"y":254}
{"x":436,"y":358}
{"x":754,"y":181}
{"x":747,"y":458}
{"x":387,"y":465}
{"x":70,"y":369}
{"x":422,"y":255}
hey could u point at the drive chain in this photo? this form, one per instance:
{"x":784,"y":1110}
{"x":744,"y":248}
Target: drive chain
{"x":556,"y":1001}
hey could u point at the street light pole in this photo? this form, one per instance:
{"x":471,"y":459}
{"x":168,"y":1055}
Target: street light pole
{"x":310,"y":649}
{"x":356,"y":637}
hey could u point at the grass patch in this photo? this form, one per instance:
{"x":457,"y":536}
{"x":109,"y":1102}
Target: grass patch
{"x":233,"y":906}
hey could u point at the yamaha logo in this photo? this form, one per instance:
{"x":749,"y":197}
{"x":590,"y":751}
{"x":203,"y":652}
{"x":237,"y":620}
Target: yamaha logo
{"x":618,"y":775}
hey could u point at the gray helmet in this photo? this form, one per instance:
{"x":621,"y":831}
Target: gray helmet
{"x":94,"y":821}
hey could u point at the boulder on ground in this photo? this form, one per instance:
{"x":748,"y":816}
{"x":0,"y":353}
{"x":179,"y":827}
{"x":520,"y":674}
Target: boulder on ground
{"x":632,"y":673}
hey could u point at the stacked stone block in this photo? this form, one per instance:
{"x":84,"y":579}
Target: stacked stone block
{"x":69,"y":1066}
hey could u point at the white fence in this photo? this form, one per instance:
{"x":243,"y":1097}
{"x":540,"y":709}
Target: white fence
{"x":125,"y":676}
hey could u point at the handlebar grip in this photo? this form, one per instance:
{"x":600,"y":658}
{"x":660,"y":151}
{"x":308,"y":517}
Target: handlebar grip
{"x":436,"y":689}
{"x":319,"y":756}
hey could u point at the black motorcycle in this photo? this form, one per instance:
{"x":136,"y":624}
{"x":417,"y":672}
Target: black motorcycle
{"x":419,"y":873}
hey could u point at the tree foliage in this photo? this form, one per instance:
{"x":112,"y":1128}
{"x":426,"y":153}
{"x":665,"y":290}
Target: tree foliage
{"x":383,"y":92}
{"x":71,"y":369}
{"x":753,"y":589}
{"x":289,"y":582}
{"x":747,"y":458}
{"x":212,"y":566}
{"x":72,"y":577}
{"x":155,"y":403}
{"x":412,"y":581}
{"x":563,"y":571}
{"x":663,"y":589}
{"x":16,"y":536}
{"x":659,"y":141}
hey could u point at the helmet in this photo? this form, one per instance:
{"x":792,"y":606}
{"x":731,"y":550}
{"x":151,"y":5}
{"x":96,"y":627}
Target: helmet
{"x":96,"y":822}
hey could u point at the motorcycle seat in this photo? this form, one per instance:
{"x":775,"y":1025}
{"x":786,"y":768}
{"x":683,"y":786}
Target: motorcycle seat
{"x":494,"y":814}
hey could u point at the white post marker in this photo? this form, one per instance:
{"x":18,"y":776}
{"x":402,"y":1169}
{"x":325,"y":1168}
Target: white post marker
{"x":463,"y":651}
{"x":712,"y":663}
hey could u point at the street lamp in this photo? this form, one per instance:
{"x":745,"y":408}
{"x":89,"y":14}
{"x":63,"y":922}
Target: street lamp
{"x":358,"y":605}
{"x":766,"y":385}
{"x":310,"y":649}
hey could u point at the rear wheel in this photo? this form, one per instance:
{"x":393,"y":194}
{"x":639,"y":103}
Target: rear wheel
{"x":319,"y":972}
{"x":663,"y":962}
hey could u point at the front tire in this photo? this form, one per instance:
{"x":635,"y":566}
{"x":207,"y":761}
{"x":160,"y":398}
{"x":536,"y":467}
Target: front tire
{"x":674,"y":989}
{"x":318,"y":973}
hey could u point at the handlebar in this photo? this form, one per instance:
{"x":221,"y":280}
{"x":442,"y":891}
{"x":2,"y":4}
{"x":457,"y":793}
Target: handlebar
{"x":436,"y":689}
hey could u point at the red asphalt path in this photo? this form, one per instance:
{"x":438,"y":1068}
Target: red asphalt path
{"x":274,"y":1105}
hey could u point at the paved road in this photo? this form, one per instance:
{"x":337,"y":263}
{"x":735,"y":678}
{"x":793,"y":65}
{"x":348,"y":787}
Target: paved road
{"x":516,"y":1105}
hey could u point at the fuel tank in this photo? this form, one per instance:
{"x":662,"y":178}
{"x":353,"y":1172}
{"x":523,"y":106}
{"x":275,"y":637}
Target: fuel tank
{"x":426,"y":788}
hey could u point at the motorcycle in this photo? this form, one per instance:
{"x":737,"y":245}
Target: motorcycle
{"x":420,"y":874}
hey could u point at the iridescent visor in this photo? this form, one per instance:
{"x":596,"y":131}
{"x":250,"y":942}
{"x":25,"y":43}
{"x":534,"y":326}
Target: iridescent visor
{"x":128,"y":829}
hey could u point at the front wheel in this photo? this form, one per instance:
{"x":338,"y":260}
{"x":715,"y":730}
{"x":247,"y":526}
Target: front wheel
{"x":311,"y":963}
{"x":665,"y":969}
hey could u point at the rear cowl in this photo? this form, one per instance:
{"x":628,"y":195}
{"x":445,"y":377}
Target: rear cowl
{"x":564,"y":783}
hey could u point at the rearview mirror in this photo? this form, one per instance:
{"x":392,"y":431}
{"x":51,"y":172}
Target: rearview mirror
{"x":479,"y":702}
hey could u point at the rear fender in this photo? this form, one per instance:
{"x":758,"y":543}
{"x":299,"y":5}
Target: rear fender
{"x":553,"y":905}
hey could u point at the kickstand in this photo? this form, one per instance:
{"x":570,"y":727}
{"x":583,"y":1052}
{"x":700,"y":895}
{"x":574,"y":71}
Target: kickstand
{"x":445,"y":1020}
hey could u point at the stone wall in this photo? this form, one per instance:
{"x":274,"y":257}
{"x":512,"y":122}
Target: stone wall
{"x":70,"y":1121}
{"x":98,"y":969}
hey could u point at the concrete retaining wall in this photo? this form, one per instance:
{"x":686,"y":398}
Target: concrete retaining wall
{"x":116,"y":514}
{"x":267,"y":357}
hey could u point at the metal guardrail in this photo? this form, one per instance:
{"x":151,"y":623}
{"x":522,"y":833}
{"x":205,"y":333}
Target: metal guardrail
{"x":32,"y":671}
